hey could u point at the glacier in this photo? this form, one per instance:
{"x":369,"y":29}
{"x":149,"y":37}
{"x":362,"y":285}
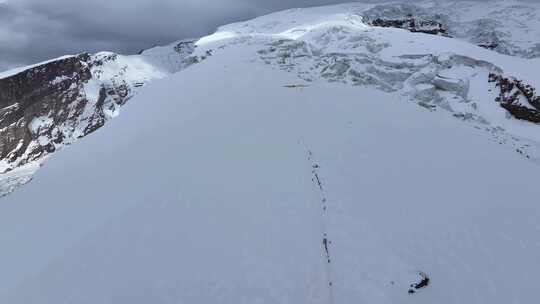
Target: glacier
{"x":301,"y":157}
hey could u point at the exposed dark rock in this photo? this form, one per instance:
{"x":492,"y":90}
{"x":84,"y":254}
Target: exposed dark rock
{"x":46,"y":106}
{"x":422,"y":283}
{"x":489,"y":46}
{"x":407,"y":16}
{"x":185,"y":47}
{"x":296,"y":86}
{"x":50,"y":105}
{"x":35,"y":93}
{"x":413,"y":24}
{"x":517,"y":97}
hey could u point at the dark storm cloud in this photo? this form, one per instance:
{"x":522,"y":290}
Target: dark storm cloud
{"x":35,"y":30}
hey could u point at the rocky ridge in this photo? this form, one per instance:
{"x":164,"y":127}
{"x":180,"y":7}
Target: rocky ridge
{"x":48,"y":106}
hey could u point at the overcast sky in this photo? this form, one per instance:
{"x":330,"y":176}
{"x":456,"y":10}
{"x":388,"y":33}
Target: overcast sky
{"x":36,"y":30}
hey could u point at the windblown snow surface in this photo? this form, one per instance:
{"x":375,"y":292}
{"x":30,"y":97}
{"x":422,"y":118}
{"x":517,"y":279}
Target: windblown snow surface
{"x":238,"y":181}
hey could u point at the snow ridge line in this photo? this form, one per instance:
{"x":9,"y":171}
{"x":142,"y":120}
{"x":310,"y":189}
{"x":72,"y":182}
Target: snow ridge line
{"x":326,"y":242}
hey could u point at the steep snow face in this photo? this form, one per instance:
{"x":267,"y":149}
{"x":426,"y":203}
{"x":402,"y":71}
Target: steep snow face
{"x":301,"y":157}
{"x":339,"y":43}
{"x":250,"y":188}
{"x":49,"y":105}
{"x":509,"y":27}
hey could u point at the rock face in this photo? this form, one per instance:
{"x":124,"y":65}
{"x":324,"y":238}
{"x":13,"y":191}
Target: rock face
{"x":52,"y":104}
{"x":494,"y":25}
{"x":413,"y":24}
{"x":408,"y":17}
{"x":47,"y":106}
{"x":517,"y":97}
{"x":35,"y":102}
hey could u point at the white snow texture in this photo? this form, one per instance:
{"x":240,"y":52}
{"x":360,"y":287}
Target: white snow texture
{"x":251,"y":177}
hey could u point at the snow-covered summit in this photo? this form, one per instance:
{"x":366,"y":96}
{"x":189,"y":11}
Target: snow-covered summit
{"x":358,"y":44}
{"x":308,"y":156}
{"x":49,"y":105}
{"x":439,"y":72}
{"x":509,"y":27}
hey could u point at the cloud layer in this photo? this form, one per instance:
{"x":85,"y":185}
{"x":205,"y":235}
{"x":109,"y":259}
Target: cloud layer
{"x":35,"y":30}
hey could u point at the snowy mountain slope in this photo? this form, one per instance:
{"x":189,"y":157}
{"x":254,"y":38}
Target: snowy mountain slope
{"x":509,"y":27}
{"x":230,"y":210}
{"x":47,"y":106}
{"x":308,"y":148}
{"x":337,"y":43}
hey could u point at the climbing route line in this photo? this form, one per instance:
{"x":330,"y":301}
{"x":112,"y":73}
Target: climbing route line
{"x":326,"y":242}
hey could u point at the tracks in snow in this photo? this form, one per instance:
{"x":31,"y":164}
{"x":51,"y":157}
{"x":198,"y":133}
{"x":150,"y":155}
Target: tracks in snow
{"x":326,"y":241}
